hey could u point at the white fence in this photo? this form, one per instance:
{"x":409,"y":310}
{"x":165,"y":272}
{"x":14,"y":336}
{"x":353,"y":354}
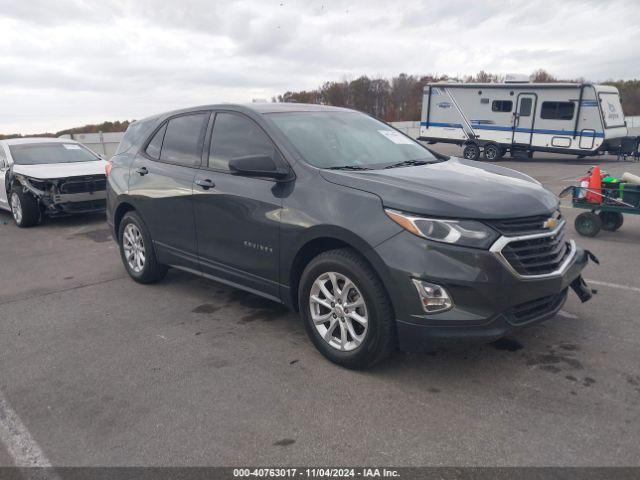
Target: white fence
{"x":633,"y":125}
{"x":101,"y":143}
{"x":107,"y":143}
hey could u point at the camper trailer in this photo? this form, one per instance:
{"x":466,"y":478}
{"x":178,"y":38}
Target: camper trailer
{"x":522,"y":118}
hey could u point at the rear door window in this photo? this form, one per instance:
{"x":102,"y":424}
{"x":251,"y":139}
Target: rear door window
{"x":155,"y":145}
{"x":182,"y":144}
{"x":237,"y":136}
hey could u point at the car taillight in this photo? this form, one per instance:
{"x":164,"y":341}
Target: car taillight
{"x":107,"y":167}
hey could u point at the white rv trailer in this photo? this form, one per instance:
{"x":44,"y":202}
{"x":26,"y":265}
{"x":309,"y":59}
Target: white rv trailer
{"x":571,"y":118}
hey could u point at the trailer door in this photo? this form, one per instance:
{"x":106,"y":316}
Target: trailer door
{"x":524,"y":119}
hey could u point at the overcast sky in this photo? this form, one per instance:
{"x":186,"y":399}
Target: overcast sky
{"x":65,"y":63}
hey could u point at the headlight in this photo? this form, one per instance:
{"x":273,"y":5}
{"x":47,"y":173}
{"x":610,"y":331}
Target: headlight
{"x":468,"y":233}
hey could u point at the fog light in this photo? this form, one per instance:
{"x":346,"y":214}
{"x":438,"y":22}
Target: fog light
{"x":434,"y":298}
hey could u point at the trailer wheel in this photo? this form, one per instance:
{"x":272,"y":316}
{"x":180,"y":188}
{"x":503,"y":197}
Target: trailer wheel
{"x":492,"y":152}
{"x":588,"y":224}
{"x":611,"y":221}
{"x":471,"y":152}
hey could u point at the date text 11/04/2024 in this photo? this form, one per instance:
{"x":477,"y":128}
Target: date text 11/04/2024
{"x":315,"y":472}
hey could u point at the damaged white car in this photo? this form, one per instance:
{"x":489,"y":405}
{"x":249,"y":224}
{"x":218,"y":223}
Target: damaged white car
{"x":49,"y":176}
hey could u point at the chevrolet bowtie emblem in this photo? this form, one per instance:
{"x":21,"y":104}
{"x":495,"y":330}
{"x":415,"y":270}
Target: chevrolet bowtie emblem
{"x":550,"y":223}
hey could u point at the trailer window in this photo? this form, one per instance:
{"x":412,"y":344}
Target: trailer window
{"x":501,"y":106}
{"x":557,"y":110}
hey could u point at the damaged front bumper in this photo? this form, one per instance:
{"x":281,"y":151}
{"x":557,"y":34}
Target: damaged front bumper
{"x":67,"y":196}
{"x":579,"y":286}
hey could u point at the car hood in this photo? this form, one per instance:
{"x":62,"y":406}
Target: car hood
{"x":52,"y":171}
{"x":455,"y":188}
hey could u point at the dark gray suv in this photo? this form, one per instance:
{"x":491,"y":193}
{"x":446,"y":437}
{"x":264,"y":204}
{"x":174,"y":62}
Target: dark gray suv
{"x":377,"y":241}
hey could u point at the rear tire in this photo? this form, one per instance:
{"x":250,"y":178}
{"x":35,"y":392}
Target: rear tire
{"x":24,"y":208}
{"x":611,"y":221}
{"x":471,"y":152}
{"x":588,"y":224}
{"x":492,"y":152}
{"x":341,"y":286}
{"x":137,"y":251}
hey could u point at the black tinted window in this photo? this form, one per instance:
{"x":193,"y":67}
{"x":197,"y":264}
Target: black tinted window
{"x":183,"y":139}
{"x":236,"y":136}
{"x":502,"y":105}
{"x":525,"y":107}
{"x":557,"y":110}
{"x":155,"y":145}
{"x":137,"y":131}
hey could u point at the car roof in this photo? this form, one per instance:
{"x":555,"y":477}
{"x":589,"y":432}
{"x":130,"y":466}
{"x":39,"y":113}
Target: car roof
{"x":30,"y":140}
{"x":258,"y":107}
{"x":278,"y":107}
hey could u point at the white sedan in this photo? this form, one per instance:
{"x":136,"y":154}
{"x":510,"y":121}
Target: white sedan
{"x":49,"y":176}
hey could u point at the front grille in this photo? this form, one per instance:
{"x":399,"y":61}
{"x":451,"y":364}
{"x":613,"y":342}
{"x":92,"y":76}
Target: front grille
{"x":513,"y":227}
{"x":535,"y":309}
{"x":537,"y":256}
{"x":84,"y":185}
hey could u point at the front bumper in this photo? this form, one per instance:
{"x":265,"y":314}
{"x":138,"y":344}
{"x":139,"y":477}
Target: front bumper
{"x":489,"y":300}
{"x":96,"y":205}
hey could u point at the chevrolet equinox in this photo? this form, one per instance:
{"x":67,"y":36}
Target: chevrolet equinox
{"x":378,"y":242}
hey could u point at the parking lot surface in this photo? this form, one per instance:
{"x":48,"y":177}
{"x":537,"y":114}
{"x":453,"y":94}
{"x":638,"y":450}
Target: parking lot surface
{"x":102,"y":371}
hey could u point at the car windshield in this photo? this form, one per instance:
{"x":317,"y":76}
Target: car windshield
{"x":349,"y":140}
{"x":46,"y":153}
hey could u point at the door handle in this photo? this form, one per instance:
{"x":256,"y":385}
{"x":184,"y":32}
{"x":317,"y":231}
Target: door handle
{"x":205,"y":183}
{"x":142,"y":171}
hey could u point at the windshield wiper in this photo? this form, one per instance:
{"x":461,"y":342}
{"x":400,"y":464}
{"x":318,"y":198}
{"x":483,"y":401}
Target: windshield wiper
{"x":348,"y":167}
{"x":409,"y":163}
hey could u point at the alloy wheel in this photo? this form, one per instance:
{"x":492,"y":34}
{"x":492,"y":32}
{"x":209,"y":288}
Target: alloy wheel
{"x":491,"y":153}
{"x":16,"y":207}
{"x":338,"y":311}
{"x":133,"y":247}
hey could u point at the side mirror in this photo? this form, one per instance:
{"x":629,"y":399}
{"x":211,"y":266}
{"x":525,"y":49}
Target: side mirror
{"x":257,"y":166}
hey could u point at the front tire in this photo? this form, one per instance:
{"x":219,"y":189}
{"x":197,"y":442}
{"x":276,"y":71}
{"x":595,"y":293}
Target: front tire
{"x":137,"y":251}
{"x":588,"y":224}
{"x":346,"y":309}
{"x":24,"y":208}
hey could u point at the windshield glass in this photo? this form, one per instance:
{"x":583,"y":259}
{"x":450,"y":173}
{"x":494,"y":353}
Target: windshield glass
{"x":348,"y":139}
{"x":46,"y":153}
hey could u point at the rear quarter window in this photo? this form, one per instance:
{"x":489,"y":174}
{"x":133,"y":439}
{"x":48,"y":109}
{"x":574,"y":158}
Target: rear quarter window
{"x":134,"y":135}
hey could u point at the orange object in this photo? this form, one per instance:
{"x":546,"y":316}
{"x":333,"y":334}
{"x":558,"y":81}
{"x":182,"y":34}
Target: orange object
{"x":595,"y":186}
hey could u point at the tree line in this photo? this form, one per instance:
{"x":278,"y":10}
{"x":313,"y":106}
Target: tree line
{"x":400,"y":98}
{"x":103,"y":127}
{"x":395,"y":99}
